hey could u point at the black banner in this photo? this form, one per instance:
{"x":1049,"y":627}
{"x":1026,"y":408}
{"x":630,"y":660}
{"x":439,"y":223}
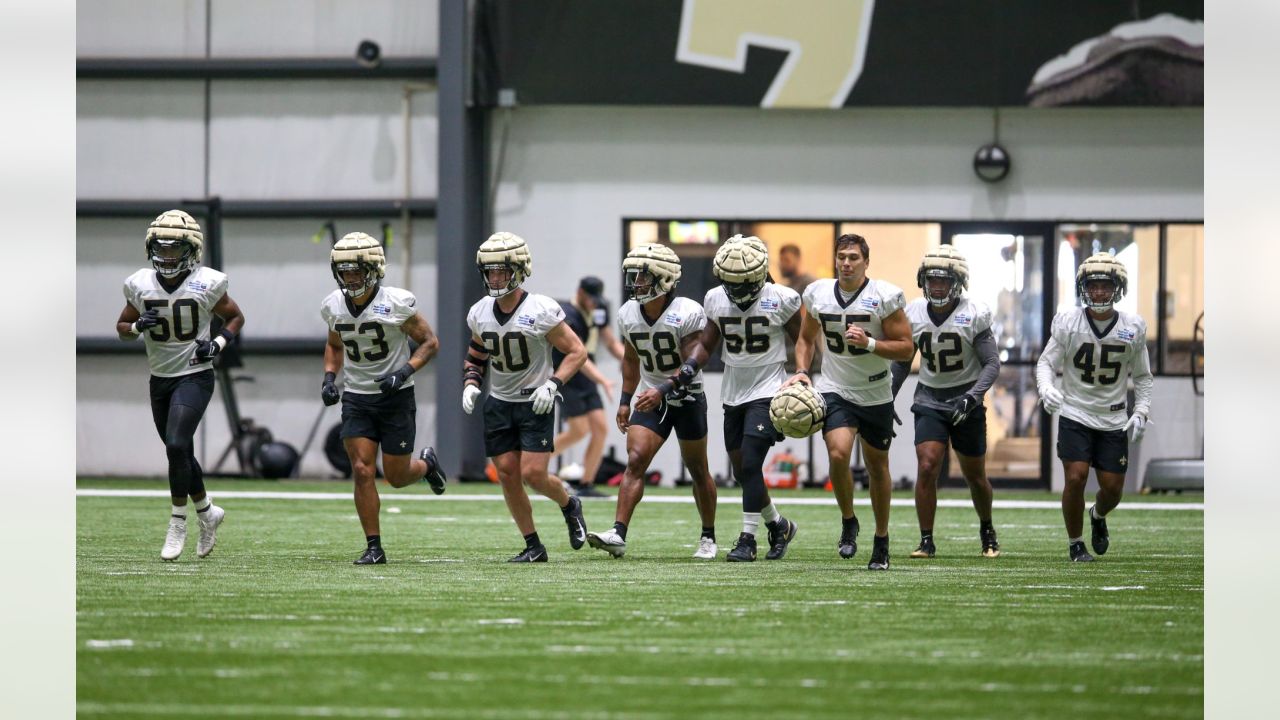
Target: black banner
{"x":841,"y":53}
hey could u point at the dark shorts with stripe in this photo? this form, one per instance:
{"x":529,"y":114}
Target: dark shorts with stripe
{"x":750,"y":419}
{"x":579,"y":398}
{"x":969,"y":438}
{"x":390,"y":420}
{"x":873,"y":422}
{"x":1106,"y":450}
{"x":689,"y":419}
{"x":193,"y":391}
{"x":515,"y":426}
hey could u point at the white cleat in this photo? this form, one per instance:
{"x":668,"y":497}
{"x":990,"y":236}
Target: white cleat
{"x":609,"y":541}
{"x":174,"y":540}
{"x":706,"y":549}
{"x":209,"y":530}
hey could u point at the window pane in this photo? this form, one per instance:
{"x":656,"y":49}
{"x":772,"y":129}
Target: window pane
{"x":1005,"y":273}
{"x":1137,"y":247}
{"x":1013,"y":426}
{"x":1184,"y":298}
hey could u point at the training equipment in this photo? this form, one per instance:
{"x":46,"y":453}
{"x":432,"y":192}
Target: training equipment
{"x":944,"y":261}
{"x":357,"y":252}
{"x":779,"y":541}
{"x":174,"y":228}
{"x":797,"y":411}
{"x":742,"y":264}
{"x":661,"y":264}
{"x":609,"y":541}
{"x":504,"y":250}
{"x":1102,"y":266}
{"x":209,"y":522}
{"x":276,"y":460}
{"x":174,"y":540}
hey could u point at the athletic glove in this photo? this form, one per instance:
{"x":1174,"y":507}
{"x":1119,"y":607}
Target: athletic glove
{"x":1051,"y":398}
{"x":470,"y":393}
{"x":961,"y":407}
{"x":396,"y":380}
{"x":1136,"y":427}
{"x":544,"y":398}
{"x":148,"y":319}
{"x":206,"y":351}
{"x":329,"y":394}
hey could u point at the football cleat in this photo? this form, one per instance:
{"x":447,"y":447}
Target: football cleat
{"x":174,"y":540}
{"x":990,"y":546}
{"x":609,"y":541}
{"x":926,"y":548}
{"x":537,"y":553}
{"x":591,"y":491}
{"x":848,"y":545}
{"x":779,"y":541}
{"x":435,"y":474}
{"x":577,"y":524}
{"x":209,"y":522}
{"x":372,"y":556}
{"x":744,"y":550}
{"x":879,"y":554}
{"x":1098,"y":537}
{"x":706,"y":549}
{"x":1079,"y":554}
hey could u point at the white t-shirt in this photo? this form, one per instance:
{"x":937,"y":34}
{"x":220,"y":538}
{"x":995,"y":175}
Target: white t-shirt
{"x":519,"y":352}
{"x":754,"y":346}
{"x":376,"y":344}
{"x":184,"y":317}
{"x":947,"y":356}
{"x":1094,"y":366}
{"x":853,"y":373}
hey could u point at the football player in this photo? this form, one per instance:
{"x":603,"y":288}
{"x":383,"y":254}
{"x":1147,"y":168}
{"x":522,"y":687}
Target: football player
{"x":1095,"y":348}
{"x":170,"y":306}
{"x":370,"y":325}
{"x":749,"y":318}
{"x":960,"y":362}
{"x":861,"y":326}
{"x":658,"y":331}
{"x":512,"y":333}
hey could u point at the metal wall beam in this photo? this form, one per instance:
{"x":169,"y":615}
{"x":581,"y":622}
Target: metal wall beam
{"x":418,"y":207}
{"x":329,"y":68}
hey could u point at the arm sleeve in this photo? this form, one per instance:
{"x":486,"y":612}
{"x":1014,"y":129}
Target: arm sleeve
{"x":984,"y":344}
{"x":900,"y":370}
{"x":1141,"y":372}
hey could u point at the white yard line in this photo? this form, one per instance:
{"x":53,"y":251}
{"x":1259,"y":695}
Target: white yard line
{"x":674,"y":499}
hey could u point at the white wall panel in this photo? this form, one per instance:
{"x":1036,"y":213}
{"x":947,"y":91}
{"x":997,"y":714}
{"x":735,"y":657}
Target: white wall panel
{"x":140,"y":28}
{"x":139,"y":139}
{"x":301,"y":28}
{"x":318,"y":139}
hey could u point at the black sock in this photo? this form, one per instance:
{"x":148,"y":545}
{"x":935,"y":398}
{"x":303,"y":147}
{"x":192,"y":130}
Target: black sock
{"x":531,"y":540}
{"x":621,"y":529}
{"x":985,"y":525}
{"x":926,"y":534}
{"x":848,"y":523}
{"x":709,"y":532}
{"x":375,"y":541}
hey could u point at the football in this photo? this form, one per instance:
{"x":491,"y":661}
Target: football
{"x":797,"y":411}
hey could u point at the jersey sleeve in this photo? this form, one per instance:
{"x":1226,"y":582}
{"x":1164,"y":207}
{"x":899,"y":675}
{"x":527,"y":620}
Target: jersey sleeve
{"x":982,"y":319}
{"x":893,"y":301}
{"x":709,"y":308}
{"x":325,"y":314}
{"x":403,"y":307}
{"x":131,"y":294}
{"x":549,"y":315}
{"x":217,"y":289}
{"x":789,"y":304}
{"x":807,"y":299}
{"x":694,"y":321}
{"x":473,"y":319}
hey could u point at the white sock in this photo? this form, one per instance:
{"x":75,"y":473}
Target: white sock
{"x":1073,"y":541}
{"x":750,"y":521}
{"x":179,"y":512}
{"x":1093,"y":513}
{"x":770,"y":513}
{"x":204,"y":504}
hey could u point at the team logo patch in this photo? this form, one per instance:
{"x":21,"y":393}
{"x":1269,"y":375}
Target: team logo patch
{"x":1125,"y":334}
{"x":197,"y":285}
{"x":673,"y":319}
{"x":768,"y":304}
{"x":382,"y":309}
{"x":525,"y":321}
{"x":869,"y":303}
{"x":962,"y":320}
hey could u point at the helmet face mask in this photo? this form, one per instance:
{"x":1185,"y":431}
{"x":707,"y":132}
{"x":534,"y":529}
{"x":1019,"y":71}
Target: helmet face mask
{"x":944,"y":280}
{"x":1101,"y":282}
{"x":1098,"y":292}
{"x":355,"y":287}
{"x":742,"y":266}
{"x":171,"y":258}
{"x":743,"y":293}
{"x":502,"y":284}
{"x":650,"y":271}
{"x":641,"y":285}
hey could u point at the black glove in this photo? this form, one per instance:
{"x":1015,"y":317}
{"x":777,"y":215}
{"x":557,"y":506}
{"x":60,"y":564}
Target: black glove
{"x":206,"y":351}
{"x":329,"y":394}
{"x":684,"y":377}
{"x":393,"y":382}
{"x":961,"y":407}
{"x":148,"y":319}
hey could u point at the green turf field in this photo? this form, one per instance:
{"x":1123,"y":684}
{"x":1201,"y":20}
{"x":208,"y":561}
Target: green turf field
{"x":278,"y":623}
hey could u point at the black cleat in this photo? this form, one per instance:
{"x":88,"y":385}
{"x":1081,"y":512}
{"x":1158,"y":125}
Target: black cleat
{"x":848,"y":545}
{"x":537,"y":553}
{"x":372,"y":556}
{"x":591,"y":491}
{"x":744,"y":550}
{"x":435,"y":474}
{"x":926,"y":548}
{"x":879,"y":554}
{"x":577,"y":524}
{"x":990,"y":546}
{"x":779,"y":541}
{"x":1099,"y":538}
{"x":1079,"y":554}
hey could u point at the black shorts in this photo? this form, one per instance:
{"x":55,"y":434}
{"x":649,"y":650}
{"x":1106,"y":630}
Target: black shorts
{"x":515,"y":426}
{"x":194,"y":391}
{"x":873,"y":422}
{"x":579,"y":400}
{"x":750,"y":419}
{"x":1106,"y":450}
{"x":388,"y":419}
{"x":969,"y":438}
{"x":689,"y":418}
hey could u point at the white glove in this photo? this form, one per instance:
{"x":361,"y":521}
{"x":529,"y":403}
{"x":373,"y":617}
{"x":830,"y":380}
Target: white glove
{"x":1136,"y":427}
{"x":1052,"y":399}
{"x":469,"y":395}
{"x":544,"y":398}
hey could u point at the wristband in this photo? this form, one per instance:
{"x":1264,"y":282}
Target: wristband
{"x":559,"y":383}
{"x":802,"y":372}
{"x":624,"y":399}
{"x":871,"y":344}
{"x":133,"y":328}
{"x":221,"y":342}
{"x":330,"y":377}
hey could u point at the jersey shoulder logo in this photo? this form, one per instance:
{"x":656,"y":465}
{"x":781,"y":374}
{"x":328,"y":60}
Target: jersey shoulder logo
{"x":381,"y":309}
{"x":962,"y":320}
{"x":525,"y":321}
{"x":1125,"y":334}
{"x":869,"y":303}
{"x":768,"y":303}
{"x":197,"y":285}
{"x":673,"y":319}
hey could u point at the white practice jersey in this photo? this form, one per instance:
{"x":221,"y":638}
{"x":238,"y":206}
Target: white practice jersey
{"x":856,"y":375}
{"x":754,"y":346}
{"x":184,"y":317}
{"x":947,"y":356}
{"x":658,"y":343}
{"x":1094,"y":367}
{"x":519,"y":352}
{"x":375,"y":342}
